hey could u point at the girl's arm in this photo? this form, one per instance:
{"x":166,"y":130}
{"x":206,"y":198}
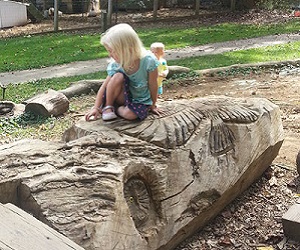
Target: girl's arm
{"x":98,"y":101}
{"x":153,"y":87}
{"x":96,"y":110}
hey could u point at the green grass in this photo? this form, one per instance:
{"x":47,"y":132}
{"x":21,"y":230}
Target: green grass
{"x":39,"y":51}
{"x":283,"y":52}
{"x":28,"y":125}
{"x":21,"y":92}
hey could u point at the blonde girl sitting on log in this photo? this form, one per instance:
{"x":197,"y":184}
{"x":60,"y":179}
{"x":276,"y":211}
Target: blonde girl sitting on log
{"x":130,"y":88}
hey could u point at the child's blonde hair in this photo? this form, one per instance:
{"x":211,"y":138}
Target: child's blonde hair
{"x":125,"y":42}
{"x":157,"y":45}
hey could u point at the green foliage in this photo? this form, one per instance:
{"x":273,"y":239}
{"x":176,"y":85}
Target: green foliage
{"x":133,"y":4}
{"x":13,"y":125}
{"x":192,"y":74}
{"x":29,"y":125}
{"x":274,"y":4}
{"x":45,"y":50}
{"x":8,"y":126}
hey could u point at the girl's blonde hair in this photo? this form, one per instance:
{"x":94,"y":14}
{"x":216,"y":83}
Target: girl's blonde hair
{"x":125,"y":42}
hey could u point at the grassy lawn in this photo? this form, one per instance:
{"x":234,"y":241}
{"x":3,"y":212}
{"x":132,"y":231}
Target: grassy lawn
{"x":282,"y":52}
{"x":38,"y":51}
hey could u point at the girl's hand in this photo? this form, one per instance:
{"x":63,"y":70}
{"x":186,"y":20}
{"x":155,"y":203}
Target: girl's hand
{"x":92,"y":115}
{"x":155,"y":110}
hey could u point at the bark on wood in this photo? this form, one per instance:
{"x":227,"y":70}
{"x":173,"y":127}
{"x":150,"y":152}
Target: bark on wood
{"x":144,"y":185}
{"x":82,"y":87}
{"x":49,"y":103}
{"x":174,"y":69}
{"x":253,"y":66}
{"x":298,"y":162}
{"x":8,"y":108}
{"x":291,"y":222}
{"x":21,"y":231}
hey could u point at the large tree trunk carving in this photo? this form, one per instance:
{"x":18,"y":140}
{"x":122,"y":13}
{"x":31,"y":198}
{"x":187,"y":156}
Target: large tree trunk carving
{"x":144,"y":185}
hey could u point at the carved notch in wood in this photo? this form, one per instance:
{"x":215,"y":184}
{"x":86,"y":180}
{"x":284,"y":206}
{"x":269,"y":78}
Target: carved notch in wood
{"x":141,"y":205}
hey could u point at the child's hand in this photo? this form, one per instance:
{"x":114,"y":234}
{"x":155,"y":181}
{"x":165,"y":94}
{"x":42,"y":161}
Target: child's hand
{"x":156,"y":110}
{"x":92,"y":115}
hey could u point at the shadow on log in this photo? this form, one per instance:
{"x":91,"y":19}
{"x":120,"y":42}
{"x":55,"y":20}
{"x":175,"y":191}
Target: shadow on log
{"x":144,"y":185}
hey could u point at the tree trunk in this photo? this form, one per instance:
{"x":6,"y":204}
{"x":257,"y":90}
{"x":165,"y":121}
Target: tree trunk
{"x":109,"y":13}
{"x":82,"y":87}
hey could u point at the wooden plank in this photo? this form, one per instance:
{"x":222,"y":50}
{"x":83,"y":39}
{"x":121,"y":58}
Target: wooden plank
{"x":291,"y":222}
{"x":21,"y":231}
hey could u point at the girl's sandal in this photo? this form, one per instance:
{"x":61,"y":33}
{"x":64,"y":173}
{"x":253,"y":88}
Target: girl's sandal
{"x":107,"y":116}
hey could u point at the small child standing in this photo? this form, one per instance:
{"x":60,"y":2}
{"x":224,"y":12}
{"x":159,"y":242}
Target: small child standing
{"x":158,"y":49}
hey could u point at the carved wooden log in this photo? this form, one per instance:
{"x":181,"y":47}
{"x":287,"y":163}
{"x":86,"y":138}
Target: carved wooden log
{"x":48,"y":103}
{"x":144,"y":185}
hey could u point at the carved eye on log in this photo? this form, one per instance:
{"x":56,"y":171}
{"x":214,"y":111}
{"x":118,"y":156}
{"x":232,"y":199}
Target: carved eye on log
{"x":138,"y":200}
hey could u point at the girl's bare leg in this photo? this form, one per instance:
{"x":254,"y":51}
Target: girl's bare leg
{"x":114,"y":91}
{"x":126,"y":113}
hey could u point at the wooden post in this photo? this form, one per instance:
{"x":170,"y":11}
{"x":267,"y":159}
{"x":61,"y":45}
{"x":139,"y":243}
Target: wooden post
{"x":232,"y":5}
{"x":155,"y":8}
{"x":197,"y":8}
{"x":109,"y":12}
{"x":55,"y":15}
{"x":103,"y":20}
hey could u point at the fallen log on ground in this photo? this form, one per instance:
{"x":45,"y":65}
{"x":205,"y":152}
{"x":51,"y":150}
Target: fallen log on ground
{"x":48,"y":103}
{"x":144,"y":185}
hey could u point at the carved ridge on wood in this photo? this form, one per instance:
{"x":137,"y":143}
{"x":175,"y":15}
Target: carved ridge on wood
{"x":180,"y":120}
